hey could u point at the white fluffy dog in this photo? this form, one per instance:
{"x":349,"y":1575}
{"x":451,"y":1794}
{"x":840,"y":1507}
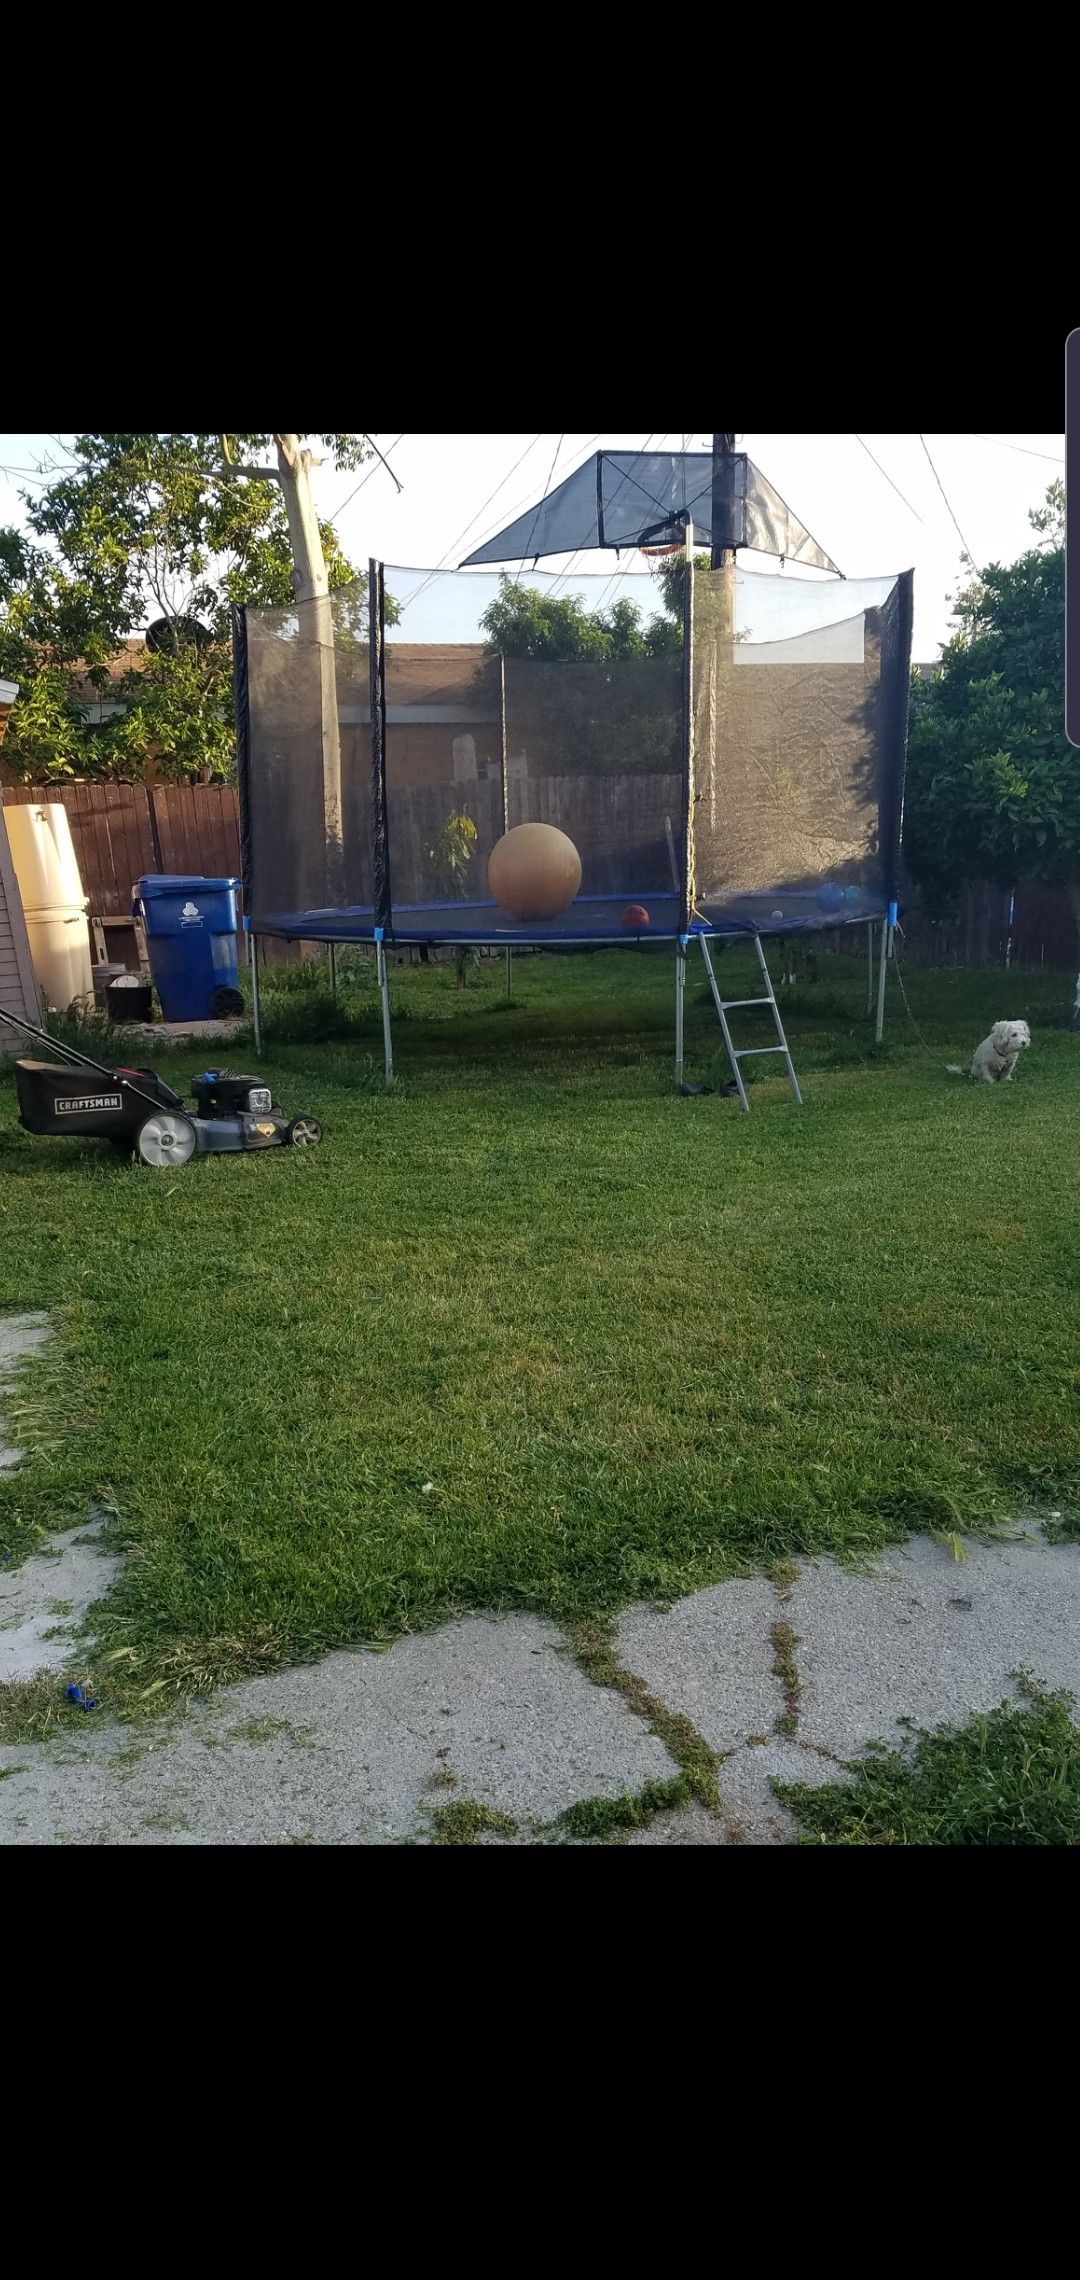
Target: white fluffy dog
{"x":996,"y":1058}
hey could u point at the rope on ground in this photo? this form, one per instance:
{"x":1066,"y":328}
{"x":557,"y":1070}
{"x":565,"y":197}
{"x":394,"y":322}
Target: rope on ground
{"x":928,"y":1049}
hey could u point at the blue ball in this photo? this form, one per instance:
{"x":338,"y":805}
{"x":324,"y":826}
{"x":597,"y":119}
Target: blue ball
{"x":831,"y":897}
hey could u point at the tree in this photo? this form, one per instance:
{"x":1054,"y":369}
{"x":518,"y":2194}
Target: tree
{"x":140,"y":528}
{"x":557,"y":628}
{"x":449,"y":854}
{"x":993,"y":785}
{"x":622,"y":720}
{"x":670,"y":576}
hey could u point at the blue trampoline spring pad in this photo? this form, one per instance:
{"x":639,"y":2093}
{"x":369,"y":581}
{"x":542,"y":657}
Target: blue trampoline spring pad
{"x":591,"y":919}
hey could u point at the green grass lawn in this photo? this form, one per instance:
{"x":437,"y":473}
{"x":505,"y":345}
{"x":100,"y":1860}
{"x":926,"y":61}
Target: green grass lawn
{"x":1011,"y":1777}
{"x":536,"y":1331}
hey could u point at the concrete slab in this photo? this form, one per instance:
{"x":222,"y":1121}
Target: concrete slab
{"x":930,"y":1638}
{"x":363,"y":1748}
{"x":354,"y":1750}
{"x":710,"y":1657}
{"x":20,"y":1336}
{"x":690,"y":1825}
{"x":43,"y":1602}
{"x":752,"y":1813}
{"x":175,"y":1032}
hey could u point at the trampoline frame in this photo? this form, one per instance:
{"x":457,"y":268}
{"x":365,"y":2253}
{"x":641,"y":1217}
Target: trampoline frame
{"x":698,"y":932}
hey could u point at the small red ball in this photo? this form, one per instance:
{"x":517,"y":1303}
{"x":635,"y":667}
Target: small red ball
{"x":635,"y":918}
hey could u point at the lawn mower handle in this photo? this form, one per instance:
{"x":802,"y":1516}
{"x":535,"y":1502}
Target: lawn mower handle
{"x":71,"y":1054}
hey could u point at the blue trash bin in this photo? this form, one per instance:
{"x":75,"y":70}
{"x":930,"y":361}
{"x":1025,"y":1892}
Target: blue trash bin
{"x":191,"y":942}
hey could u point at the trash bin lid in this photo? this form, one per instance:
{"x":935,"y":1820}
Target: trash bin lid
{"x":167,"y":885}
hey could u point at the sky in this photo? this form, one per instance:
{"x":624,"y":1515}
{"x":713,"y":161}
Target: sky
{"x":906,"y":511}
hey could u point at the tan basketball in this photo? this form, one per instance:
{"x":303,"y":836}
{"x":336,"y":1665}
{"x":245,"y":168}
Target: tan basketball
{"x":534,"y":871}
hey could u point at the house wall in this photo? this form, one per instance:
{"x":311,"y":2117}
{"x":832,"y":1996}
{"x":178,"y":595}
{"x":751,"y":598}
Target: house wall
{"x":18,"y":989}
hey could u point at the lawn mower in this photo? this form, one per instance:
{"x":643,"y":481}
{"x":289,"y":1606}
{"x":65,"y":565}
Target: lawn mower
{"x":140,"y":1114}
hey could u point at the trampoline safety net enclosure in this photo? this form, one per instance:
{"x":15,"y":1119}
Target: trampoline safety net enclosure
{"x":746,"y":777}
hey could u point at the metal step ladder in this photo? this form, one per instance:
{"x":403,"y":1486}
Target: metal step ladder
{"x":724,"y":1006}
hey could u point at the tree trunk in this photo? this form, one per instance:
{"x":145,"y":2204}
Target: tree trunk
{"x":312,"y":585}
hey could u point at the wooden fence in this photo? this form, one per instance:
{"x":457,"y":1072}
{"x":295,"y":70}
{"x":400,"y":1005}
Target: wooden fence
{"x":123,"y":831}
{"x":986,"y":926}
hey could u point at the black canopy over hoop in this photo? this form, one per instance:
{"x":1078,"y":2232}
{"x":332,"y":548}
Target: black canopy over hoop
{"x":622,"y":499}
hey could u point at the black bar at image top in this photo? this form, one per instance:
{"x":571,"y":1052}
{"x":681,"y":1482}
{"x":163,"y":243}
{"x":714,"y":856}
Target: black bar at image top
{"x":1072,"y":539}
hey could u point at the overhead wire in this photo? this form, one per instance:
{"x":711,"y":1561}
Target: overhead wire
{"x":508,"y":514}
{"x":945,"y":496}
{"x":470,"y":525}
{"x":888,"y":478}
{"x":540,"y":505}
{"x":563,"y":575}
{"x":619,"y":573}
{"x":386,"y":463}
{"x":367,"y":478}
{"x":1004,"y":445}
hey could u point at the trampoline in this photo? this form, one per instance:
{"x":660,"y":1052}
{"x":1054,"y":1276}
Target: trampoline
{"x":592,"y":922}
{"x":739,"y":774}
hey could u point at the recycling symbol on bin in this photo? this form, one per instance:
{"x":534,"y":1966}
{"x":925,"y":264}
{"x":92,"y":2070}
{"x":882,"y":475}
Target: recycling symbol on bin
{"x":190,"y":915}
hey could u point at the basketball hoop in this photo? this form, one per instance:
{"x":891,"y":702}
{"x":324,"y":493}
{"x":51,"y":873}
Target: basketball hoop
{"x":677,"y":548}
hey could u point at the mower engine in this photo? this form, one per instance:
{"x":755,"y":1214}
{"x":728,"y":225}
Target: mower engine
{"x":234,"y":1112}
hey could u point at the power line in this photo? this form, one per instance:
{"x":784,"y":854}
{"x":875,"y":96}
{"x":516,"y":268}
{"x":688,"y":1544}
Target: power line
{"x":520,"y":505}
{"x":367,"y":478}
{"x":565,"y":574}
{"x":619,"y":574}
{"x":474,"y":519}
{"x":1004,"y":445}
{"x":463,"y":534}
{"x":385,"y":461}
{"x":543,"y":496}
{"x":888,"y":478}
{"x":944,"y":494}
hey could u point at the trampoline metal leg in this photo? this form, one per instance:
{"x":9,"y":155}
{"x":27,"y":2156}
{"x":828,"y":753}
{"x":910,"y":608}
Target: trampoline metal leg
{"x":253,"y":966}
{"x":680,"y":991}
{"x":509,"y":975}
{"x":384,"y":992}
{"x":879,"y":1025}
{"x":333,"y":967}
{"x":870,"y":969}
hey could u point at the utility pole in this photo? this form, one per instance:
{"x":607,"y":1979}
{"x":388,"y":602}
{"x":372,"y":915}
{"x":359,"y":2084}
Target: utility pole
{"x":723,"y":500}
{"x":311,"y":585}
{"x":722,"y":519}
